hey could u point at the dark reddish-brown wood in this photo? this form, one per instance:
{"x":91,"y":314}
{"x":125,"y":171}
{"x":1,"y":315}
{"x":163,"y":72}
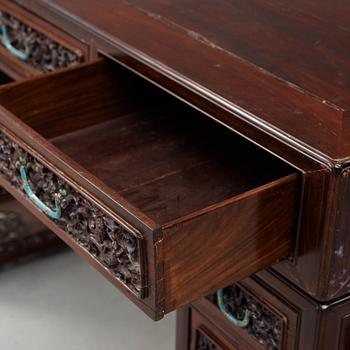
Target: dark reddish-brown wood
{"x":275,"y":72}
{"x":229,"y":224}
{"x":290,"y":96}
{"x":186,"y":34}
{"x":182,"y":328}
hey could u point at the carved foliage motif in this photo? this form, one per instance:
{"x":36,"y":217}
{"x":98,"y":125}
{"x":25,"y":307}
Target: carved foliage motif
{"x":203,"y":342}
{"x":264,"y":325}
{"x":46,"y":54}
{"x":110,"y":242}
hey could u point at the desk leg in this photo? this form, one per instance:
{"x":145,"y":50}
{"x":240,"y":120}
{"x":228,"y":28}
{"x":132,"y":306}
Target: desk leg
{"x":183,"y":328}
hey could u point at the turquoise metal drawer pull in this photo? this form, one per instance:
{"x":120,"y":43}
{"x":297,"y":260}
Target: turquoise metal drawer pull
{"x":53,"y":214}
{"x":22,"y":55}
{"x":240,"y":323}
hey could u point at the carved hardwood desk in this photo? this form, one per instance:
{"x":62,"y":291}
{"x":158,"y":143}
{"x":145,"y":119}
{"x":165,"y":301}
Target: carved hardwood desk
{"x":196,"y":153}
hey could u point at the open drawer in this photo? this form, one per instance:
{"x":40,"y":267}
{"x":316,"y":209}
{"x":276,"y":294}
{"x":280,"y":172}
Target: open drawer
{"x":166,"y":203}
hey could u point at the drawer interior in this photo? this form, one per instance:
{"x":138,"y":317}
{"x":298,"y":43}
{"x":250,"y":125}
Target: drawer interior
{"x":161,"y":155}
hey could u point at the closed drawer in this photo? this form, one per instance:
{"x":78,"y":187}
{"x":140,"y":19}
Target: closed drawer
{"x":268,"y":314}
{"x":267,"y":322}
{"x":30,"y":46}
{"x":164,"y":202}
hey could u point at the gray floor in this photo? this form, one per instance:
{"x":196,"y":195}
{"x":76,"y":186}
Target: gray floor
{"x":59,"y":302}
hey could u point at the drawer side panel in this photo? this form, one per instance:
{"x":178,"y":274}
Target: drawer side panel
{"x":229,"y":242}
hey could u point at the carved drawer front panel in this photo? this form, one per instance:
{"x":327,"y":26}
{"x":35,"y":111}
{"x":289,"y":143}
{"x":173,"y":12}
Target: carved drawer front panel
{"x":30,"y":46}
{"x":264,"y":324}
{"x":272,"y":322}
{"x":112,"y":243}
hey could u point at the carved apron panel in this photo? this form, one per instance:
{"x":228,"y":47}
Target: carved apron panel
{"x":45,"y":54}
{"x":264,"y":324}
{"x":116,"y":247}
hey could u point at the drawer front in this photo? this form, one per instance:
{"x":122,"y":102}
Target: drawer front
{"x":30,"y":46}
{"x":259,"y":320}
{"x":279,"y":316}
{"x":265,"y":324}
{"x":111,"y":242}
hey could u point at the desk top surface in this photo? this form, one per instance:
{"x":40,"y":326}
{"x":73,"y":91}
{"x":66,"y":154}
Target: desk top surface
{"x":281,"y":66}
